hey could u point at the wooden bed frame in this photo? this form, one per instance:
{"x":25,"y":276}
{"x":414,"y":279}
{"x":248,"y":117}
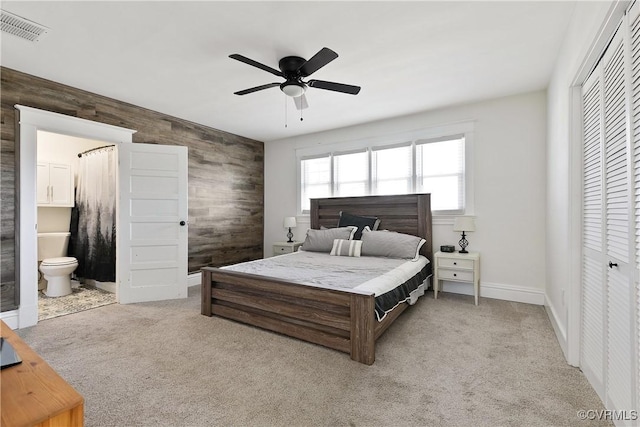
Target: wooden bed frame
{"x":343,"y":320}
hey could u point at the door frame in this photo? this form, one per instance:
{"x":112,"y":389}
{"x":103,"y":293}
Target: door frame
{"x":31,"y":120}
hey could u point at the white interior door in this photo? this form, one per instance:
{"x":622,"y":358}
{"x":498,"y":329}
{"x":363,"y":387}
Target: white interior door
{"x":618,"y":248}
{"x":593,"y":270}
{"x":152,"y":223}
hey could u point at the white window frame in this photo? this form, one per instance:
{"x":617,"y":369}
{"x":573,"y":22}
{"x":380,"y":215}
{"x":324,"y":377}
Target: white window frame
{"x":453,"y":131}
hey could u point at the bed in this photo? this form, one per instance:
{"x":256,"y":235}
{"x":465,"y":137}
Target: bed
{"x":341,"y":319}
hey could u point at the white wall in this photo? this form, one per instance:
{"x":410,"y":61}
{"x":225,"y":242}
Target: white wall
{"x":563,"y":167}
{"x":509,"y":184}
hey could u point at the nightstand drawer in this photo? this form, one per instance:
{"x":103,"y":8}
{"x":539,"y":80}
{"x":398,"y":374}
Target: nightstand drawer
{"x":465,"y":276}
{"x":279,"y":250}
{"x":455,"y":263}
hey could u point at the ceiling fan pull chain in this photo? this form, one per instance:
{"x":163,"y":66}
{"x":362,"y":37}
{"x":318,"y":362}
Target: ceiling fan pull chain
{"x":301,"y":113}
{"x":285,"y":111}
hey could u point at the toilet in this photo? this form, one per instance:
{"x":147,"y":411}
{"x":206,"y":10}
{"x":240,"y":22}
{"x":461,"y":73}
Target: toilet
{"x":54,"y":265}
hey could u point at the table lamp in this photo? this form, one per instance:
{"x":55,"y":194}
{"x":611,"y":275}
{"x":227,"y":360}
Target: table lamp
{"x":290,"y":222}
{"x":464,"y":224}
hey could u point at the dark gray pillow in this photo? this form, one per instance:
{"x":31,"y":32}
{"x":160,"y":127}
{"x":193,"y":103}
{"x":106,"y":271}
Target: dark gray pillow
{"x":322,"y":240}
{"x":391,"y":244}
{"x":358,"y":221}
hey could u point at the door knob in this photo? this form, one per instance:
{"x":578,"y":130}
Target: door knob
{"x":182,"y":223}
{"x":612,"y":264}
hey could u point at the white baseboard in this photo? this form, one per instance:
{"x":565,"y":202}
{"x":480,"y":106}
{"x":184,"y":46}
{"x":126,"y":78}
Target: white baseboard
{"x":560,"y":331}
{"x":498,"y":291}
{"x":194,"y":279}
{"x":10,"y":318}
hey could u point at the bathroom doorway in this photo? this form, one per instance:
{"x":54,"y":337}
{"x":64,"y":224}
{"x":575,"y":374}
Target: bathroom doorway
{"x":76,"y":214}
{"x":152,"y":212}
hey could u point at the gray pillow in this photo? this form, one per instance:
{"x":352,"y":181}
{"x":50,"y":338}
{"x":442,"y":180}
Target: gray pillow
{"x":322,"y":240}
{"x":391,"y":244}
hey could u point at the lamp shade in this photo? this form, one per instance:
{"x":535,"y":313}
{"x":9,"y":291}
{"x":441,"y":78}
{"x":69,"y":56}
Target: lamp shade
{"x":289,"y":222}
{"x":464,"y":223}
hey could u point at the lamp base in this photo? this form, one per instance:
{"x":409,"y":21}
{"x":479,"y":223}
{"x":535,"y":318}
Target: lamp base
{"x":463,"y":244}
{"x":290,"y":236}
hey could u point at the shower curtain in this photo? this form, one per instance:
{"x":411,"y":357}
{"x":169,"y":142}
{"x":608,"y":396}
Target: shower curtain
{"x":93,"y":226}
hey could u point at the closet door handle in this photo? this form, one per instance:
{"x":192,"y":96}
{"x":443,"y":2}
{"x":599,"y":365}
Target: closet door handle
{"x":612,"y":264}
{"x":183,"y":223}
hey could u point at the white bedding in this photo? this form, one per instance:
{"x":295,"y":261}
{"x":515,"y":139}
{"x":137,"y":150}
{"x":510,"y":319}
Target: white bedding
{"x":376,"y":274}
{"x":373,"y":274}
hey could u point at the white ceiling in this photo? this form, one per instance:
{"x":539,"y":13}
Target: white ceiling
{"x":408,"y":57}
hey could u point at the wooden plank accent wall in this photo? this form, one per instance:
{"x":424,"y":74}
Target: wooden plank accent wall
{"x":226,"y":172}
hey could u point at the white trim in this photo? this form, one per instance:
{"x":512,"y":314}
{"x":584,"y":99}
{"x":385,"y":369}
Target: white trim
{"x":10,"y":318}
{"x":561,"y":333}
{"x":498,"y":291}
{"x":32,"y":120}
{"x":194,"y":279}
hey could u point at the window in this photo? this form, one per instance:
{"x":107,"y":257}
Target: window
{"x":436,"y":165}
{"x":351,"y":174}
{"x":392,"y":170}
{"x":316,"y":179}
{"x":440,"y":171}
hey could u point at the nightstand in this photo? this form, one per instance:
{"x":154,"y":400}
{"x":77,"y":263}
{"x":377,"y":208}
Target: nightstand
{"x":457,"y":267}
{"x":280,"y":248}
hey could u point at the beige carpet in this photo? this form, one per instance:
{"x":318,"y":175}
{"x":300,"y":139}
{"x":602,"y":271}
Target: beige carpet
{"x":444,"y":362}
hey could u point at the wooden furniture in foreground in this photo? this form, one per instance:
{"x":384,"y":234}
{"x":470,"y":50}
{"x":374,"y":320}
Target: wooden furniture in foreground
{"x":457,"y":267}
{"x":340,"y":319}
{"x":33,"y":394}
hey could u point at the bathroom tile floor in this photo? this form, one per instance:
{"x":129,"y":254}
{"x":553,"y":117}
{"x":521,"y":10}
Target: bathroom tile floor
{"x":82,"y":298}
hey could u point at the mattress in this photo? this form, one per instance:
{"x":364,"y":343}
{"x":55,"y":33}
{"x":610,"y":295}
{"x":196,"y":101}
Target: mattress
{"x":392,"y":281}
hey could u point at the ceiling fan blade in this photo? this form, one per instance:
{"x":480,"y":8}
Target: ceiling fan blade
{"x":256,"y":64}
{"x":301,"y":102}
{"x":257,"y":88}
{"x":336,"y":87}
{"x":317,"y":61}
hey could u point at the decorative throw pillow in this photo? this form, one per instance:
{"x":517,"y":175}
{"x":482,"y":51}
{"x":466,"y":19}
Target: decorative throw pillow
{"x":322,"y":240}
{"x":391,"y":244}
{"x":343,"y":247}
{"x":358,"y":221}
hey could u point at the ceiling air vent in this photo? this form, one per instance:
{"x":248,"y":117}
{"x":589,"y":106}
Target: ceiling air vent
{"x":23,"y":28}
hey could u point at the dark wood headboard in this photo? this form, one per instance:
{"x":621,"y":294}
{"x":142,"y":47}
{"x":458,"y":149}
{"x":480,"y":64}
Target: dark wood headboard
{"x":407,"y":213}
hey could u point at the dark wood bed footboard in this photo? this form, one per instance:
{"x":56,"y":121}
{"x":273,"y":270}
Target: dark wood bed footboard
{"x":339,"y":319}
{"x":344,"y":321}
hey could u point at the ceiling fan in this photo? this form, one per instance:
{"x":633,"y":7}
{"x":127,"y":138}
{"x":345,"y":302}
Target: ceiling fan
{"x":293,"y":69}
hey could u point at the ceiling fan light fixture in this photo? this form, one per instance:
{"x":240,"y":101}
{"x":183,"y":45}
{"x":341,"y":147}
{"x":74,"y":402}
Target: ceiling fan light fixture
{"x":293,"y":89}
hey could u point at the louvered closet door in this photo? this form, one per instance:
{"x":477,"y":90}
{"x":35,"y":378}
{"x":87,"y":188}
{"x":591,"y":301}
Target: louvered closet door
{"x":619,"y":372}
{"x":593,"y":273}
{"x":634,"y":17}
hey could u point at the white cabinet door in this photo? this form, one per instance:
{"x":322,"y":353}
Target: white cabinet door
{"x":61,"y":184}
{"x":42,"y":194}
{"x":152,"y":223}
{"x":54,"y":185}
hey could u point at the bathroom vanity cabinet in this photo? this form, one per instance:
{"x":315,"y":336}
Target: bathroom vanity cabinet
{"x":54,"y":185}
